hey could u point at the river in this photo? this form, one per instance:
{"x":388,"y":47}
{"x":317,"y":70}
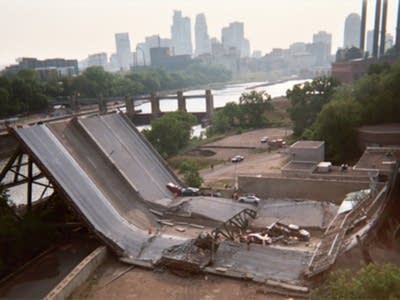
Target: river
{"x":230,"y":93}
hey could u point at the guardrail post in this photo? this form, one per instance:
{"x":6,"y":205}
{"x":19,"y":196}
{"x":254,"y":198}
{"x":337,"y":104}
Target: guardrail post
{"x":181,"y":101}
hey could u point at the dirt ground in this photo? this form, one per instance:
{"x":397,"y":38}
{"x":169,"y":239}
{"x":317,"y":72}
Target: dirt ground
{"x":144,"y":284}
{"x":256,"y":161}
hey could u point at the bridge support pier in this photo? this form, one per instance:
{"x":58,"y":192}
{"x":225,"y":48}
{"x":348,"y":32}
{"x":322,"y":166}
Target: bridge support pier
{"x":209,"y":104}
{"x":181,"y":101}
{"x":74,"y":104}
{"x":155,"y":105}
{"x":102,"y":105}
{"x":130,"y":107}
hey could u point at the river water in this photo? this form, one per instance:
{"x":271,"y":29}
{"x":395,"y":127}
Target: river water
{"x":230,"y":93}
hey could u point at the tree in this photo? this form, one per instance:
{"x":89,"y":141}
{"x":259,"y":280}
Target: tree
{"x":370,"y":282}
{"x":307,"y":101}
{"x":171,"y":132}
{"x":253,"y":106}
{"x":337,"y":124}
{"x":192,"y":178}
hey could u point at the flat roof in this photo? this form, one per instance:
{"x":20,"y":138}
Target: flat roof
{"x":307,"y":144}
{"x":382,"y":128}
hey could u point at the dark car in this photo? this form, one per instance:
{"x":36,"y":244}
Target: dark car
{"x":190,"y":191}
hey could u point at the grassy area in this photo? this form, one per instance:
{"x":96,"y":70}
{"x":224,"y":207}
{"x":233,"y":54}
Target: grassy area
{"x":200,"y":161}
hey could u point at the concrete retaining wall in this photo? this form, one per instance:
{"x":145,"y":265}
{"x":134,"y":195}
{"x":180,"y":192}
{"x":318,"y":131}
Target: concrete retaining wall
{"x":313,"y":189}
{"x":78,"y":275}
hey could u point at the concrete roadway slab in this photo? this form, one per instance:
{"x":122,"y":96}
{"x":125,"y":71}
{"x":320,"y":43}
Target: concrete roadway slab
{"x":130,"y":154}
{"x":305,"y":213}
{"x":261,"y":262}
{"x":217,"y":209}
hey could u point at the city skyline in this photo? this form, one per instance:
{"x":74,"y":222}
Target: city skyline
{"x":54,"y":35}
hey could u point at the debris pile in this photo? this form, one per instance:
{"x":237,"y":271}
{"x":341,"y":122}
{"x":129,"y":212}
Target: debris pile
{"x":192,"y":256}
{"x":288,"y":234}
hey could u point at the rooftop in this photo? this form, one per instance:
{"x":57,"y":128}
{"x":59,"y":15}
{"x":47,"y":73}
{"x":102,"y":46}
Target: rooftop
{"x":307,"y":144}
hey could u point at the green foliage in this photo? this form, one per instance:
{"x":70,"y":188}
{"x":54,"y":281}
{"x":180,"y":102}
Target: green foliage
{"x":192,"y":178}
{"x":22,"y":93}
{"x":171,"y":132}
{"x":307,"y":101}
{"x":336,"y":124}
{"x":371,"y":282}
{"x":22,"y":238}
{"x":249,"y":113}
{"x":373,"y":99}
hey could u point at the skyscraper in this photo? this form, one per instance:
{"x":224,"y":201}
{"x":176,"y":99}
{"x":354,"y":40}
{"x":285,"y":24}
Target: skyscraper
{"x":202,"y":39}
{"x":181,"y":34}
{"x":352,"y":31}
{"x":322,"y":42}
{"x":370,"y":41}
{"x":233,"y":37}
{"x":123,"y":46}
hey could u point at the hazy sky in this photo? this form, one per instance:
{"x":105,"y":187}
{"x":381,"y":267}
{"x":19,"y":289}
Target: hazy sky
{"x":76,"y":28}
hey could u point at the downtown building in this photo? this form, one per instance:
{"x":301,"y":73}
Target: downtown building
{"x":202,"y":39}
{"x":46,"y":68}
{"x":233,"y":37}
{"x":181,"y":35}
{"x":352,"y":31}
{"x":123,"y":54}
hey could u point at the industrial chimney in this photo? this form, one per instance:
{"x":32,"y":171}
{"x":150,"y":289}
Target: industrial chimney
{"x":383,"y":32}
{"x":363,"y":24}
{"x":398,"y":30}
{"x":376,"y":28}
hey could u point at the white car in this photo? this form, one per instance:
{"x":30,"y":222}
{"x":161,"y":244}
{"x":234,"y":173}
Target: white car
{"x":264,"y":139}
{"x":249,"y":199}
{"x":237,"y":158}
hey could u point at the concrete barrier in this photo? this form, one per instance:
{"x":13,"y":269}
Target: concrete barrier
{"x":302,"y":188}
{"x":78,"y":275}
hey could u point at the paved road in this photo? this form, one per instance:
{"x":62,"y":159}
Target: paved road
{"x":133,"y":157}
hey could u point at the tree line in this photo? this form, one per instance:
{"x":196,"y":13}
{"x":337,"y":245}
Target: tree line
{"x":326,"y":110}
{"x":25,"y":92}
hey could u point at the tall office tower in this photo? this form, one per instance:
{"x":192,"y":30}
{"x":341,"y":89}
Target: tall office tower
{"x":181,"y":34}
{"x":233,"y":37}
{"x":389,"y":42}
{"x":352,"y":30}
{"x":203,"y":44}
{"x":323,"y":46}
{"x":123,"y":46}
{"x":370,"y":41}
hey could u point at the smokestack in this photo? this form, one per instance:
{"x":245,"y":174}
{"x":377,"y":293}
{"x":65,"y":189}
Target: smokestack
{"x":376,"y":28}
{"x":383,"y":32}
{"x":363,"y":24}
{"x":398,"y":30}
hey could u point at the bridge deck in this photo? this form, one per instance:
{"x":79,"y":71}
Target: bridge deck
{"x":133,"y":157}
{"x":100,"y":207}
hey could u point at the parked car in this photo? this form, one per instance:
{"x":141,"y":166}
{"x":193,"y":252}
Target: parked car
{"x":237,"y":158}
{"x":264,"y":139}
{"x":251,"y":199}
{"x":191,"y":191}
{"x":175,"y":189}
